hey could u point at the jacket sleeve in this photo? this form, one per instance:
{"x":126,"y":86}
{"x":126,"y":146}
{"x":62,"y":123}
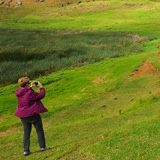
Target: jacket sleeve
{"x":37,"y":96}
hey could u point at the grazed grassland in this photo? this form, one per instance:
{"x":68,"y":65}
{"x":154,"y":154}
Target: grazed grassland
{"x":97,"y":110}
{"x":114,"y":15}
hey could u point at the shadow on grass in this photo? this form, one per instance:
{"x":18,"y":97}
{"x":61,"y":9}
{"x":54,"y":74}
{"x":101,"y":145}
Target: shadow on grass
{"x":39,"y":151}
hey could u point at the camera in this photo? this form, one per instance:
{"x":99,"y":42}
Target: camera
{"x":36,"y":83}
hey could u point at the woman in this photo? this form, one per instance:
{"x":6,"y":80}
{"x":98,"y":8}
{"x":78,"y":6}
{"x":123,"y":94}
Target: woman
{"x":28,"y":110}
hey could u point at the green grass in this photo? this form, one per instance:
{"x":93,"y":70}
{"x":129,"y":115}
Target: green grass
{"x":114,"y":15}
{"x":79,"y":125}
{"x":96,"y":110}
{"x":34,"y":53}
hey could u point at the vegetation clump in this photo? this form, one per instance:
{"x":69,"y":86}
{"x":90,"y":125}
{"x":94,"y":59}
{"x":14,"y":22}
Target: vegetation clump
{"x":33,"y":53}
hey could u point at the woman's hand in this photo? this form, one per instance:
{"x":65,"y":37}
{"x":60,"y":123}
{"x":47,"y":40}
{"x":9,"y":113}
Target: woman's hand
{"x":40,"y":85}
{"x":33,"y":84}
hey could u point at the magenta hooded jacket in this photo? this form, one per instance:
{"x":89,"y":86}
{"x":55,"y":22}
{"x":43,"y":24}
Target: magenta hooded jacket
{"x":29,"y":102}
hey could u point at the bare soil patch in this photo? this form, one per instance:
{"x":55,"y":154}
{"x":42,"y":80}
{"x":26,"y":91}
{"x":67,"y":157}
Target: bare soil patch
{"x":144,"y":69}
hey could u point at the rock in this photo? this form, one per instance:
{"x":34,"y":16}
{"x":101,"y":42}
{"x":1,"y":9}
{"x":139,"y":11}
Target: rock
{"x":103,"y":106}
{"x":7,"y":5}
{"x":19,"y":3}
{"x":79,"y":2}
{"x":15,"y":6}
{"x":68,"y":3}
{"x":1,"y":2}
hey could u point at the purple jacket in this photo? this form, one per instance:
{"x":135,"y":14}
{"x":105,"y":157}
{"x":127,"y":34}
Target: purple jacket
{"x":29,"y":102}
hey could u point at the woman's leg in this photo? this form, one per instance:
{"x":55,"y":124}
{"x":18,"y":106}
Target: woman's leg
{"x":26,"y":137}
{"x":39,"y":129}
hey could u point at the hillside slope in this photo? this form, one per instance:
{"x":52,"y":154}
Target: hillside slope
{"x":98,"y":111}
{"x":112,"y":15}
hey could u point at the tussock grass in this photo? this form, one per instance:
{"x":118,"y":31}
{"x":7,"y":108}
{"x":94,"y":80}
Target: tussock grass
{"x":34,"y":53}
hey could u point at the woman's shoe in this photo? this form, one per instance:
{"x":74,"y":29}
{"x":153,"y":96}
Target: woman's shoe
{"x":26,"y":153}
{"x":44,"y":149}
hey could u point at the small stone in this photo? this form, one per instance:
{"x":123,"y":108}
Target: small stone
{"x":79,"y":2}
{"x":7,"y":5}
{"x":19,"y":3}
{"x":1,"y":2}
{"x":68,"y":3}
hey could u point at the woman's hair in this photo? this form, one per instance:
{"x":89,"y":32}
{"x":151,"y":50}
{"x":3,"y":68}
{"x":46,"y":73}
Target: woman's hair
{"x":23,"y":81}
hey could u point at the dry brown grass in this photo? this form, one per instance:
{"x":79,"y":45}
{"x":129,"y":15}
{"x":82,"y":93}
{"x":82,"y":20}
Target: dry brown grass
{"x":100,"y":80}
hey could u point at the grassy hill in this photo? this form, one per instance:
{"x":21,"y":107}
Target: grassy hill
{"x":97,"y":110}
{"x":111,"y":15}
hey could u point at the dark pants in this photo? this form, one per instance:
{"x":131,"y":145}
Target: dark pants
{"x":27,"y":124}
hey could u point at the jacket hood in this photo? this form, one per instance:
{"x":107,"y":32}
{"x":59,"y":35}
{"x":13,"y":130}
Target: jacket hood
{"x":21,"y":92}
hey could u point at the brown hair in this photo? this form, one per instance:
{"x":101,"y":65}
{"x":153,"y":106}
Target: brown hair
{"x":23,"y":81}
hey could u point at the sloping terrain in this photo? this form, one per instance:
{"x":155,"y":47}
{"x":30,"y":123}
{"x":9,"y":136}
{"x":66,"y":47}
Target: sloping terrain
{"x":111,"y":15}
{"x":94,"y":111}
{"x":100,"y":110}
